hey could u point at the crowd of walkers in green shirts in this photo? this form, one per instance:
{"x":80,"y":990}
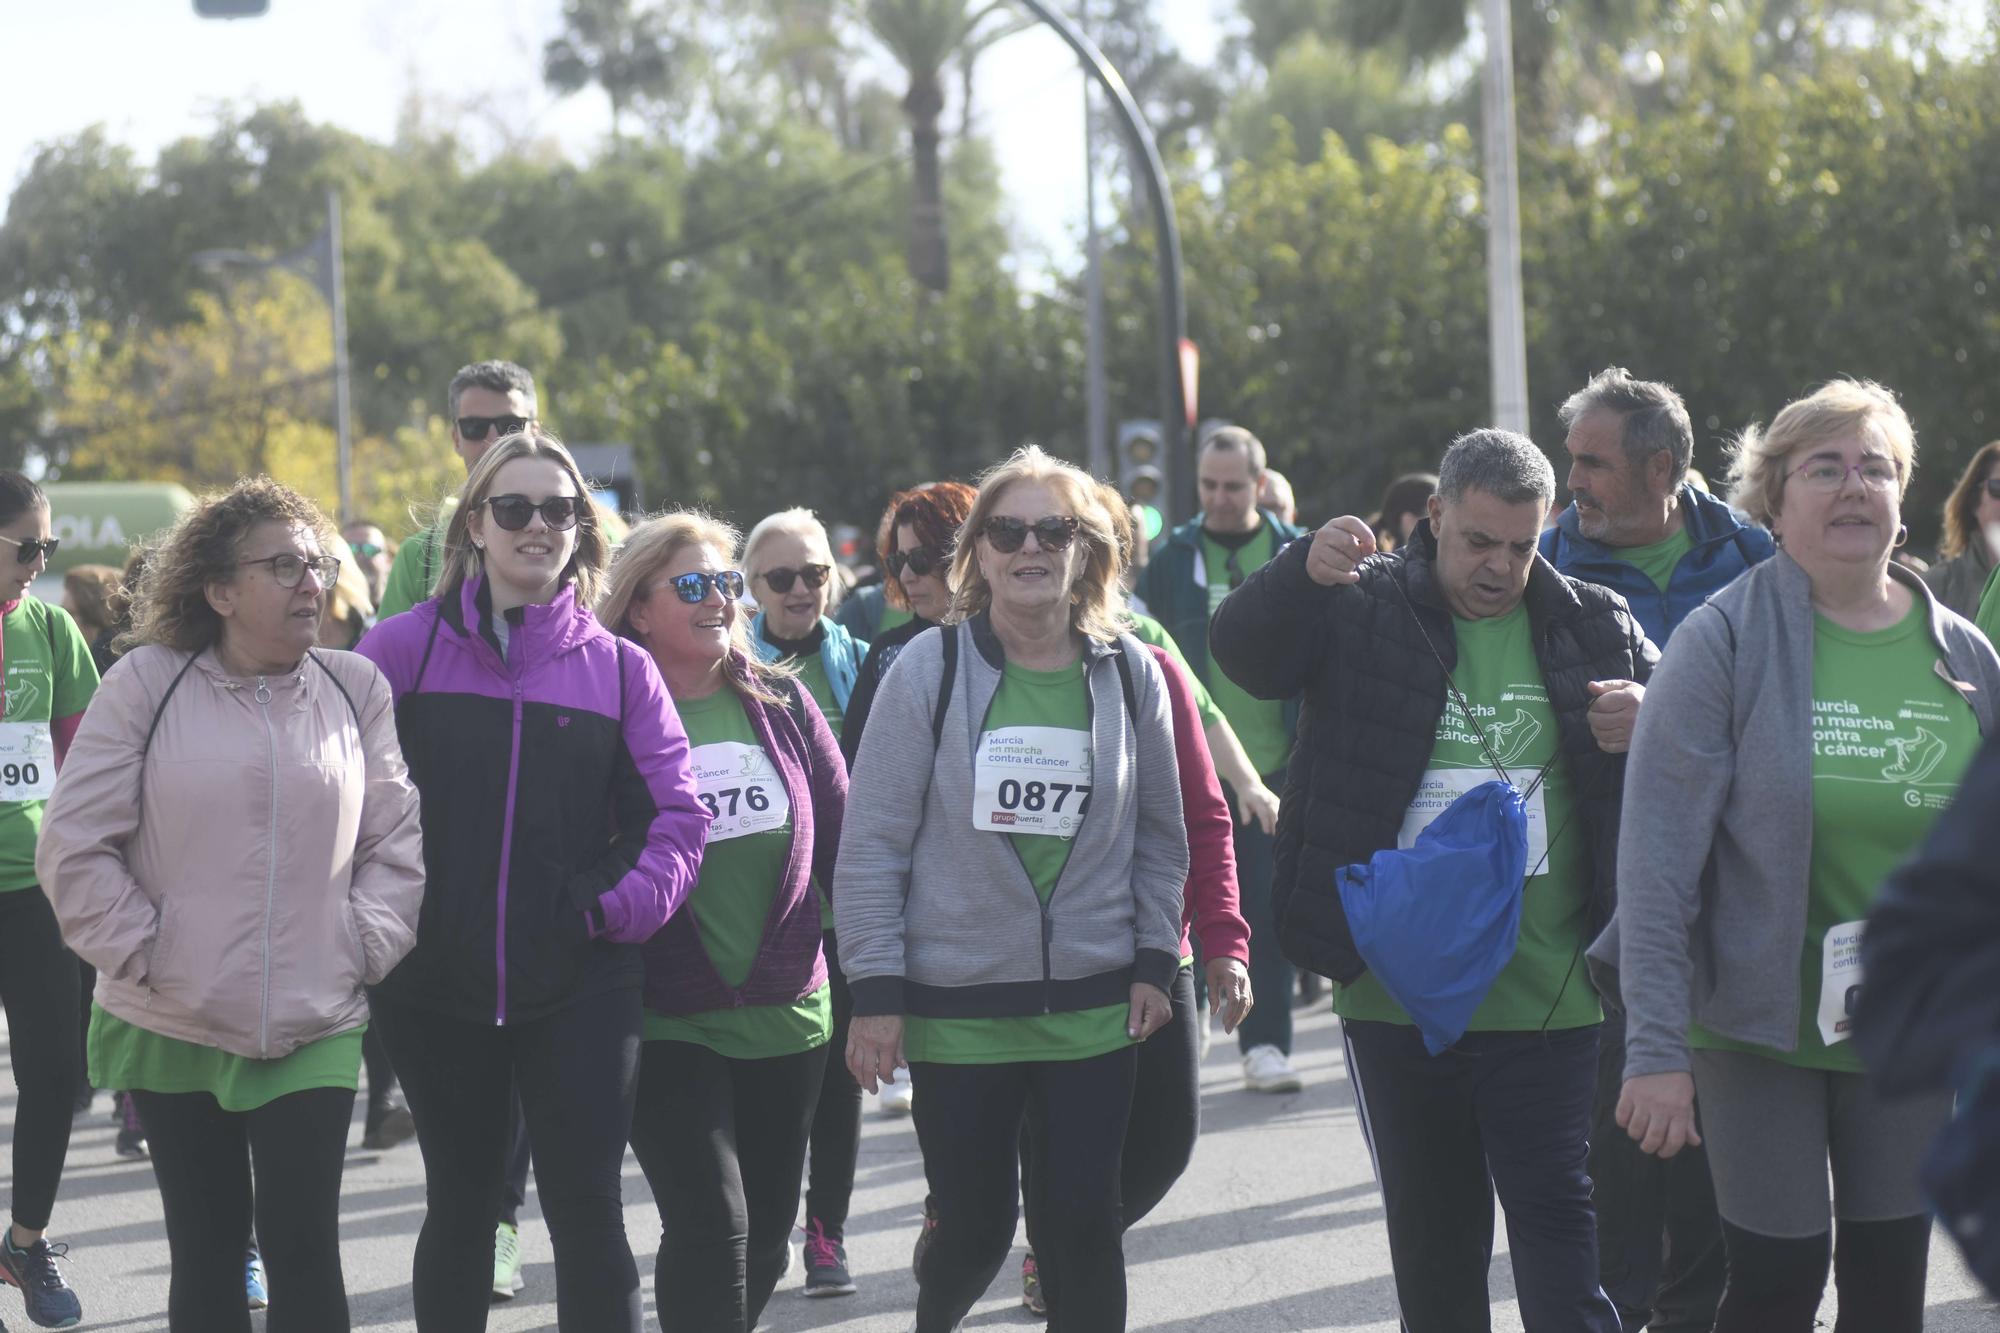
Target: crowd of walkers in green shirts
{"x":579,"y":836}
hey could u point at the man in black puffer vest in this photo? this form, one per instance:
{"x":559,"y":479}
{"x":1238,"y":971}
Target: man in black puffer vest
{"x":1545,"y":673}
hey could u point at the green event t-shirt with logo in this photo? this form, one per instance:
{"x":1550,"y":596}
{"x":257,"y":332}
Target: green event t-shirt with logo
{"x":1258,"y":723}
{"x":1891,"y":740}
{"x":1026,"y":698}
{"x":739,"y":881}
{"x":812,"y":674}
{"x":1154,"y":635}
{"x":1657,"y":561}
{"x":48,"y":674}
{"x":1544,"y":984}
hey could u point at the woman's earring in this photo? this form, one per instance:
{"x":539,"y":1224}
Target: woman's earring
{"x":1902,"y":535}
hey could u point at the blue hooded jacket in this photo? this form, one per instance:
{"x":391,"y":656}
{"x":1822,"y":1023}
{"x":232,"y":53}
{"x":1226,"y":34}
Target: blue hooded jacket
{"x":1723,"y":545}
{"x":840,"y":651}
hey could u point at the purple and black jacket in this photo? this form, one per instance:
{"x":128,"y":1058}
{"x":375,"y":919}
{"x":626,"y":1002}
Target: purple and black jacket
{"x":561,"y":825}
{"x":790,"y":963}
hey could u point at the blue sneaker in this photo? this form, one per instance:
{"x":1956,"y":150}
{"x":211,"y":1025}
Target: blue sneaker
{"x":50,"y":1301}
{"x":253,"y":1280}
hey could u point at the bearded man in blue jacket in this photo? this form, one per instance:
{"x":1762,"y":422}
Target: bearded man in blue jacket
{"x":1635,"y":524}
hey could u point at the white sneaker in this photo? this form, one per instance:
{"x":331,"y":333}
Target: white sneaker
{"x":896,"y":1099}
{"x":1265,"y":1069}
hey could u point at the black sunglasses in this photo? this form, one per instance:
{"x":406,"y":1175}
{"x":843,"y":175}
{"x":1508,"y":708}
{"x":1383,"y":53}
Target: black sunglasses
{"x":512,"y":512}
{"x":1992,"y":489}
{"x":782,"y":578}
{"x":693,"y":588}
{"x":475,"y":428}
{"x":366,"y":550}
{"x":1053,"y":533}
{"x":921,"y":560}
{"x":33,"y":548}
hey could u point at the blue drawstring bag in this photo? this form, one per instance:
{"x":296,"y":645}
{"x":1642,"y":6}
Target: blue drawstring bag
{"x":1437,"y":922}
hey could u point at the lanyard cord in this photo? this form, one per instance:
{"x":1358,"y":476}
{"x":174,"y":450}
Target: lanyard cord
{"x":1466,"y":708}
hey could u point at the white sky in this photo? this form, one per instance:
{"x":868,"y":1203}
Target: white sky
{"x":152,"y":71}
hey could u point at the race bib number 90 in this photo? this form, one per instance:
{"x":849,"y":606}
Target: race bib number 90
{"x":742,"y":792}
{"x":27,"y":761}
{"x":1031,"y":780}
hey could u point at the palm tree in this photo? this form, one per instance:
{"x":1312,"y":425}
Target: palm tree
{"x":627,"y":50}
{"x":924,"y":37}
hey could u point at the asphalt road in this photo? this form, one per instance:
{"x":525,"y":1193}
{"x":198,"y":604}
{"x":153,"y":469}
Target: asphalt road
{"x":1277,"y":1226}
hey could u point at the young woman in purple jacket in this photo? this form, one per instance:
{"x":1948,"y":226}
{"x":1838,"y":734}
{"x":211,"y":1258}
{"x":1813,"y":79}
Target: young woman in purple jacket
{"x":738,"y":1011}
{"x":561,"y":830}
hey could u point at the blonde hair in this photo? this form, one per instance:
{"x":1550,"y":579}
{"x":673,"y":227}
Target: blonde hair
{"x":462,"y":560}
{"x":347,"y":600}
{"x":170,"y":605}
{"x":1758,"y":463}
{"x":803,"y":524}
{"x":650,"y":548}
{"x":1097,"y":606}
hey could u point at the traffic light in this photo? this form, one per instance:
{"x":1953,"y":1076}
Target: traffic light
{"x":1142,"y":472}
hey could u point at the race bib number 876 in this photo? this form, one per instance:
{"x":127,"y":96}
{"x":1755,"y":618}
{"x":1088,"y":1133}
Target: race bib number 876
{"x":741,"y":791}
{"x":1031,"y":780}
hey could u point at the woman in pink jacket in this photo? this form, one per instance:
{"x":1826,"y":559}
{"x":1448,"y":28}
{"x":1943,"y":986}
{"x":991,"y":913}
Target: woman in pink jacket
{"x":234,"y":845}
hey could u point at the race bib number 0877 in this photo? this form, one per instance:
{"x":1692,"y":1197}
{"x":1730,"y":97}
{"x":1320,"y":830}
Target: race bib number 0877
{"x":1031,"y":780}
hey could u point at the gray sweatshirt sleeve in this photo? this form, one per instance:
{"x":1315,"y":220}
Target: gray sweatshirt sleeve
{"x":1159,"y":847}
{"x":1677,"y":782}
{"x":886,"y":799}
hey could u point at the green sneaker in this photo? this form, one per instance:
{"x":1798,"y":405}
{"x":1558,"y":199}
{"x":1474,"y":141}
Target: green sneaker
{"x":507,"y":1279}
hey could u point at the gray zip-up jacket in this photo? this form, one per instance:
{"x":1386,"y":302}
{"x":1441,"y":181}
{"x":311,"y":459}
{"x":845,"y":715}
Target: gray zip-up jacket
{"x":939,"y":919}
{"x":1715,"y":846}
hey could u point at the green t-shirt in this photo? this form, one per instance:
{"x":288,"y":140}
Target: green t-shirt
{"x":1258,"y":723}
{"x":892,"y":616}
{"x":1544,"y":984}
{"x":49,"y":674}
{"x":812,"y":675}
{"x":750,"y":840}
{"x":1657,"y":561}
{"x":1890,"y":742}
{"x":419,"y":561}
{"x":1056,"y":699}
{"x":1152,"y":633}
{"x":126,"y":1057}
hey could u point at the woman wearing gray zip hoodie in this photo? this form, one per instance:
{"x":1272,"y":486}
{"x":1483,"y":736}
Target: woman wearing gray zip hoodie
{"x":1008,"y":894}
{"x":1799,"y":738}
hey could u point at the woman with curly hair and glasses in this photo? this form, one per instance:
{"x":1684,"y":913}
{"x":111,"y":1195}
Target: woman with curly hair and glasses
{"x":1008,"y":895}
{"x":561,"y":829}
{"x":234,"y":845}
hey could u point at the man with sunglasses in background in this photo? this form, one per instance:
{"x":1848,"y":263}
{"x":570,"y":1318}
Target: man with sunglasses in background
{"x":1199,"y":564}
{"x":373,"y":555}
{"x":1635,"y":525}
{"x":488,"y":401}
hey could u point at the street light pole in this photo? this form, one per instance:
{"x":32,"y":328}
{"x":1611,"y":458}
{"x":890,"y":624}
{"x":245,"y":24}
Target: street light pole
{"x":1174,"y":412}
{"x":320,"y":262}
{"x":1507,"y":335}
{"x":336,"y":295}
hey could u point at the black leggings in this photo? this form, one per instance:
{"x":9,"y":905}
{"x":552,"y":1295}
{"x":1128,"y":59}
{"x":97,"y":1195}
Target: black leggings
{"x":1166,"y":1116}
{"x":202,"y":1157}
{"x":38,"y":985}
{"x":836,"y":1127}
{"x":722,"y":1143}
{"x":1775,"y":1282}
{"x":577,"y":1071}
{"x":969,"y":1120}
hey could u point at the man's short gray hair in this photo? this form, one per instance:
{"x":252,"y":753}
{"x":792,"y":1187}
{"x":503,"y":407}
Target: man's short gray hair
{"x":1506,"y":466}
{"x":498,"y":376}
{"x":1655,"y":417}
{"x":1236,"y":440}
